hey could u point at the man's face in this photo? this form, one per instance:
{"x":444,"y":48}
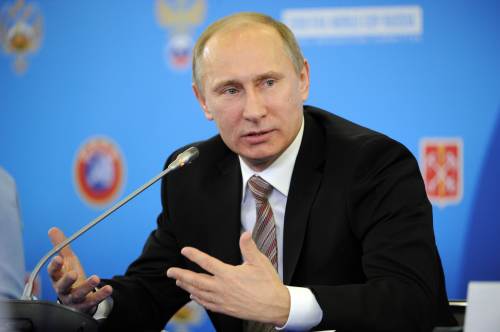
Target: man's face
{"x":252,"y":92}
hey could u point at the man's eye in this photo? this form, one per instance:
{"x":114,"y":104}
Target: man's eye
{"x":270,"y":82}
{"x":230,"y":91}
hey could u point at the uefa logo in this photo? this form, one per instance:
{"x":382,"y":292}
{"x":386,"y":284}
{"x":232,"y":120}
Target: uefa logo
{"x":99,"y":171}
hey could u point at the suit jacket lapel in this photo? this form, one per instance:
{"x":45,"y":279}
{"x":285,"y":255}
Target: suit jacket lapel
{"x":226,"y":197}
{"x":305,"y":182}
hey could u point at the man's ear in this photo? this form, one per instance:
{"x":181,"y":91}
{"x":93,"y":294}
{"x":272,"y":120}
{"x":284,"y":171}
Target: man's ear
{"x":201,"y":99}
{"x":304,"y":81}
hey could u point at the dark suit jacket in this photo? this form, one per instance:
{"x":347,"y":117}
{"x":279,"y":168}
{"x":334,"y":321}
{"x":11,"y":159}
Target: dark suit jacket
{"x":358,"y":232}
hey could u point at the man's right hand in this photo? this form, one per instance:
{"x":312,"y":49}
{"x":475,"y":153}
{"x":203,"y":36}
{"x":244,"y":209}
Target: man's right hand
{"x":69,"y":281}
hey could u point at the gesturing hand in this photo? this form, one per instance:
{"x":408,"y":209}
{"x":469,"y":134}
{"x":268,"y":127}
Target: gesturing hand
{"x":69,"y":281}
{"x":250,"y":291}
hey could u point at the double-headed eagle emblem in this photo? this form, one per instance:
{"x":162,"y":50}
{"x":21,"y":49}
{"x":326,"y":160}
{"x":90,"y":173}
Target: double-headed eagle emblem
{"x":21,"y":30}
{"x":180,"y":17}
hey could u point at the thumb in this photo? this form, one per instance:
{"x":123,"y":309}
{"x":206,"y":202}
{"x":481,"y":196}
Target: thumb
{"x":56,"y":236}
{"x":249,"y":249}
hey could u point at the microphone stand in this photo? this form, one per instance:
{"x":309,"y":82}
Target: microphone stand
{"x":28,"y":314}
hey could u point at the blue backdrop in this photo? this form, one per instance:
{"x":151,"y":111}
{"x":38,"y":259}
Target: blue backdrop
{"x":423,"y":72}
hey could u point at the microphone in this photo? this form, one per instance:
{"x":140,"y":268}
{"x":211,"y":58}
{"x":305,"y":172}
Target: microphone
{"x":182,"y":159}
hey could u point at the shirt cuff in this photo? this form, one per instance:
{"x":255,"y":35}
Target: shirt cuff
{"x":305,"y":312}
{"x":104,"y":308}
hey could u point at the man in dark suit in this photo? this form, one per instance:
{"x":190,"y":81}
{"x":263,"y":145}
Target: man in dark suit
{"x":292,"y":217}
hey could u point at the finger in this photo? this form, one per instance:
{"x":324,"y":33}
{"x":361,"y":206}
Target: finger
{"x":101,"y":294}
{"x":93,"y":299}
{"x":55,"y":268}
{"x":206,"y":262}
{"x":198,"y":280}
{"x":56,"y":236}
{"x":64,"y":285}
{"x":206,"y":304}
{"x":197,"y":292}
{"x":78,"y":294}
{"x":251,"y":254}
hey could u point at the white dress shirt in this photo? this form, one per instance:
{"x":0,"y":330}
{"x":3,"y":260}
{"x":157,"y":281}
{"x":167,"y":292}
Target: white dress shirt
{"x":305,"y":312}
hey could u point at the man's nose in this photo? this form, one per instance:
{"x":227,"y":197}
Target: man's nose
{"x":254,"y":107}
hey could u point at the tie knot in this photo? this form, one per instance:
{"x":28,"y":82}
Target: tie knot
{"x":259,"y":188}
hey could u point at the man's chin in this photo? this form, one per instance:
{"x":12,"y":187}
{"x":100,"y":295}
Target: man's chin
{"x":259,"y":162}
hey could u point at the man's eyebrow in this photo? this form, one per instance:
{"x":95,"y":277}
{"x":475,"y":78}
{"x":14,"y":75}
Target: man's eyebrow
{"x":258,"y":78}
{"x":224,"y":83}
{"x":272,"y":74}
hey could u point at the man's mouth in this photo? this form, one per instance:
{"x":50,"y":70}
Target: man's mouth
{"x":257,"y":137}
{"x":257,"y":133}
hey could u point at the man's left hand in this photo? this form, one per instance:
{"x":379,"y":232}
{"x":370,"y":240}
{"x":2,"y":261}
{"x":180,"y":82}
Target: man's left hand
{"x":250,"y":291}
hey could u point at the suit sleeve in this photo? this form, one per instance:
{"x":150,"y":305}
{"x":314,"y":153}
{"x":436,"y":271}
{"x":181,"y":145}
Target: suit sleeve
{"x":145,"y":298}
{"x":391,"y":217}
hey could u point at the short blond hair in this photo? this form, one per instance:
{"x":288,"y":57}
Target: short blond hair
{"x":240,"y":19}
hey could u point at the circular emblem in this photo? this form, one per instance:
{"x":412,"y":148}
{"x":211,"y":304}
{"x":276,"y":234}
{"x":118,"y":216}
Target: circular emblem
{"x":99,"y":171}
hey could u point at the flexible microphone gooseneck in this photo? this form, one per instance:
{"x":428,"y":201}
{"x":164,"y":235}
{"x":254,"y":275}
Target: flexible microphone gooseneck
{"x":182,"y":159}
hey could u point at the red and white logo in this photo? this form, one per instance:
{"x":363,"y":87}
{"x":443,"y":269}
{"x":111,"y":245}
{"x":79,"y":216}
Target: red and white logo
{"x":99,"y":171}
{"x":441,"y":161}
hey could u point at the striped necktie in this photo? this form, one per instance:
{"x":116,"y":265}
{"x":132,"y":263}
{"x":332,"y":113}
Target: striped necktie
{"x":264,"y":231}
{"x":264,"y":235}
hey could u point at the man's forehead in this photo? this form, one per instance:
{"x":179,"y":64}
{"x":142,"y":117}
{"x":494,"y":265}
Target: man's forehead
{"x":227,"y":36}
{"x":241,"y":53}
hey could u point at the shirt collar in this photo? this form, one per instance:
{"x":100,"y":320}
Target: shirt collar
{"x":279,"y":173}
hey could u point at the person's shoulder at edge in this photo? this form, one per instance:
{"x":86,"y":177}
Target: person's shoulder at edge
{"x":6,"y":179}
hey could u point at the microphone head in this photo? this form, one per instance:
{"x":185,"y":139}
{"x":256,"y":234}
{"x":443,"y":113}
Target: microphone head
{"x":188,"y":155}
{"x":185,"y":157}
